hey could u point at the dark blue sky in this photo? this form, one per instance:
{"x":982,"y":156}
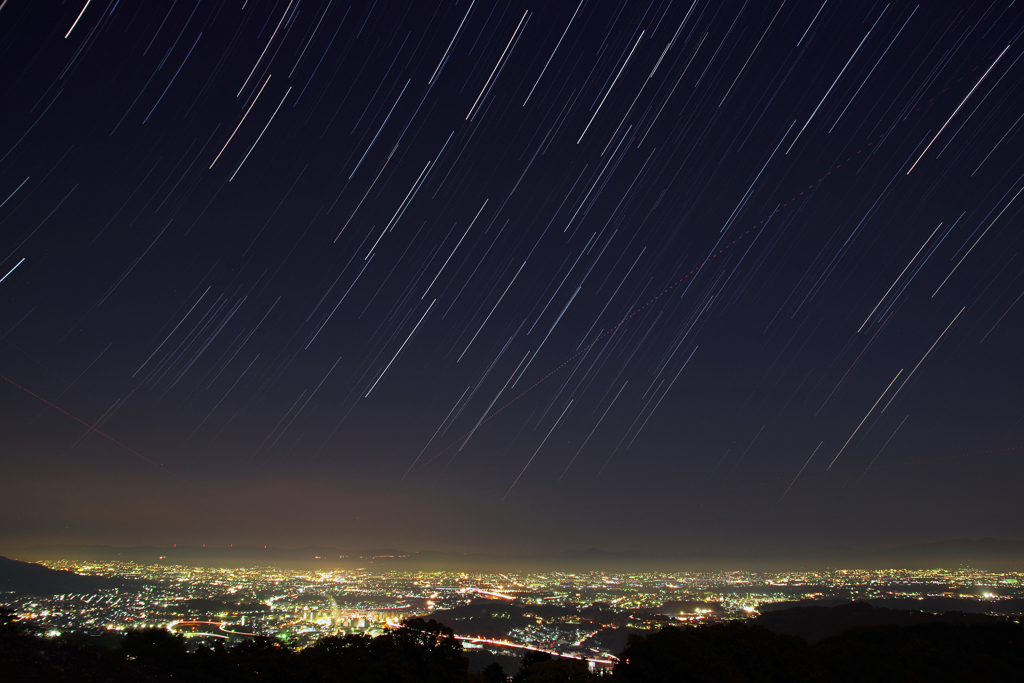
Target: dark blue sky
{"x":482,"y":276}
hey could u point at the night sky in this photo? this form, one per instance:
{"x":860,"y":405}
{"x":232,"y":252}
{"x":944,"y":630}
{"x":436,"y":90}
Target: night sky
{"x":489,"y":276}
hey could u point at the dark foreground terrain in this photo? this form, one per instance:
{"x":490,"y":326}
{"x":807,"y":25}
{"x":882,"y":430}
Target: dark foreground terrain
{"x":947,"y":650}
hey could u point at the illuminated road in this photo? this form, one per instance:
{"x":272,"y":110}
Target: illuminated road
{"x":468,"y":639}
{"x":519,"y":646}
{"x":219,"y":624}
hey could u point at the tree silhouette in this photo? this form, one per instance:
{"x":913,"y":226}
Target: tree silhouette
{"x":494,"y":673}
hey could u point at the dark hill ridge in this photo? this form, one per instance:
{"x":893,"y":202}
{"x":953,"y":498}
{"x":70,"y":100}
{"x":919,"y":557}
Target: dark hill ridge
{"x":815,"y":623}
{"x":27,"y":578}
{"x":989,"y":553}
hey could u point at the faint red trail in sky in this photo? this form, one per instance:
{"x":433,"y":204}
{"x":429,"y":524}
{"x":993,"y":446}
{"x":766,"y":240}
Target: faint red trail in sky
{"x":91,"y":428}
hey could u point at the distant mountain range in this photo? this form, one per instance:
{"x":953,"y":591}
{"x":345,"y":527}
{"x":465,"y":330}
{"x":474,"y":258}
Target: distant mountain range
{"x":26,"y":578}
{"x":987,"y":553}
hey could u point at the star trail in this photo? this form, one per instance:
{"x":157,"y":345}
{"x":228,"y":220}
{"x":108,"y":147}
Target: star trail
{"x":498,"y":275}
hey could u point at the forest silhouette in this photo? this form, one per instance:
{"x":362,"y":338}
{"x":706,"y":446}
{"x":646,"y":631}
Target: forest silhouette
{"x":428,"y":652}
